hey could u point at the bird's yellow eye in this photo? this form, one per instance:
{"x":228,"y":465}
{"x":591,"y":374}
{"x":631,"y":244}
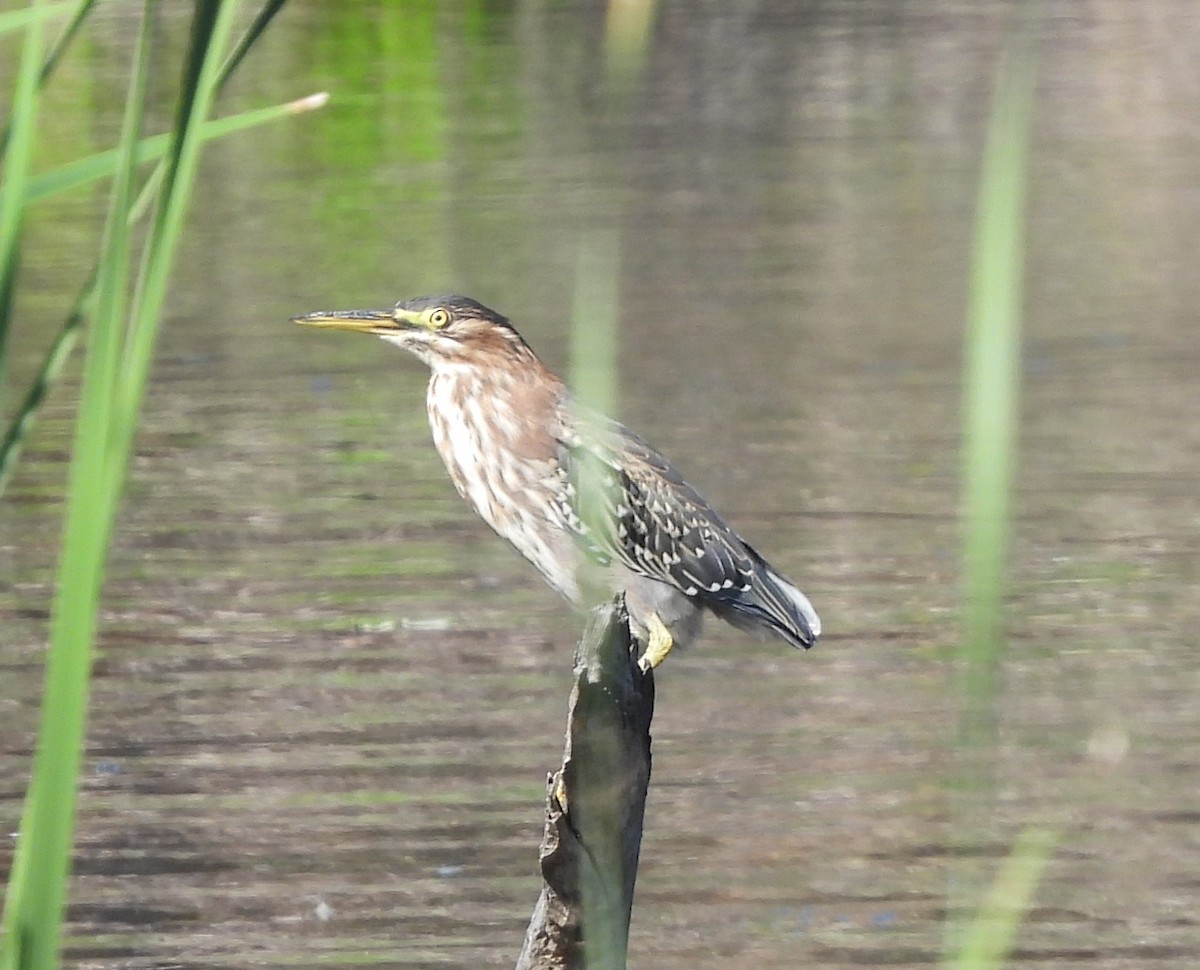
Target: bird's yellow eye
{"x":439,"y":318}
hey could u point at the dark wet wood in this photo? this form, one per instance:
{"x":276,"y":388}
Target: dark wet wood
{"x":594,"y":807}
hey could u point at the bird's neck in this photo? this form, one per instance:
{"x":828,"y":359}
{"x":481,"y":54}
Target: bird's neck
{"x":501,"y":412}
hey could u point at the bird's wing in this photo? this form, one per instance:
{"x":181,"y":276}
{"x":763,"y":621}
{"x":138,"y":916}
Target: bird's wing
{"x":625,"y":502}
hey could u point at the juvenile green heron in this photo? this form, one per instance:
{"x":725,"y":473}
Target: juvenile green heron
{"x":578,"y":495}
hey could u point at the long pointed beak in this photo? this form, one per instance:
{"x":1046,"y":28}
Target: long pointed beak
{"x":363,"y":321}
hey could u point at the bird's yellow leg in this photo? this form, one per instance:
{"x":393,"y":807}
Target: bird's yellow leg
{"x":659,"y":643}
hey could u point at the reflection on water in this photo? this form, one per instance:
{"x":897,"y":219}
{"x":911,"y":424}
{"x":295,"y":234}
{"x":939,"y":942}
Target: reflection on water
{"x":326,"y":696}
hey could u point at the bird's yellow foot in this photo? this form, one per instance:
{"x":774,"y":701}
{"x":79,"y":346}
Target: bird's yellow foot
{"x":560,"y":789}
{"x":659,"y":643}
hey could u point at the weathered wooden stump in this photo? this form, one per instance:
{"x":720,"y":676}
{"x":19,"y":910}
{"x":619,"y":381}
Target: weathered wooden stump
{"x":594,"y":807}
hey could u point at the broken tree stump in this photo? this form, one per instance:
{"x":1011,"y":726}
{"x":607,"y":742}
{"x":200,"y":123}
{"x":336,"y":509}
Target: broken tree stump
{"x":594,"y":807}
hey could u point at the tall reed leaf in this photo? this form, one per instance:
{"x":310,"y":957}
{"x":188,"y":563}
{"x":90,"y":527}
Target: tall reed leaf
{"x":990,"y":936}
{"x":19,"y":19}
{"x":80,"y":173}
{"x":212,"y":25}
{"x":85,"y":170}
{"x":264,"y":17}
{"x":992,"y":383}
{"x":119,"y":353}
{"x":78,"y":16}
{"x":42,"y":11}
{"x":991,"y":388}
{"x":36,"y":896}
{"x":18,"y":153}
{"x":22,"y":420}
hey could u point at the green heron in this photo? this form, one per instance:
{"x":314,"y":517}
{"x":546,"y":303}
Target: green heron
{"x":580,"y":496}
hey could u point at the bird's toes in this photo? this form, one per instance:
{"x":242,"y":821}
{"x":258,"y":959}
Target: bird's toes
{"x":658,"y":645}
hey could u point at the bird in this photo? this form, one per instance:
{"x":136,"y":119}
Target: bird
{"x":588,"y":502}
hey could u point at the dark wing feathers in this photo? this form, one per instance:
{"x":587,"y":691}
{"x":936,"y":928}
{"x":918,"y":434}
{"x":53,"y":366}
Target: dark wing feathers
{"x":625,"y":502}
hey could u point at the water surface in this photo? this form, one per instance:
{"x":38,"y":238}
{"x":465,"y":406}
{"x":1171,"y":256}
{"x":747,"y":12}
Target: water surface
{"x":326,"y":697}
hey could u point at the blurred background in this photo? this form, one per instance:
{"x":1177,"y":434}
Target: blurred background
{"x":326,"y":696}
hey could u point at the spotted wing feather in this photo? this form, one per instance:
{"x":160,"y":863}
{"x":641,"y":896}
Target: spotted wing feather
{"x":625,"y":502}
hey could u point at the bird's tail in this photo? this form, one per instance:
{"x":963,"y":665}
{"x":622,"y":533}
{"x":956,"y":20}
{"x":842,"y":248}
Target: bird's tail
{"x":782,"y":607}
{"x":771,"y":604}
{"x":801,"y":626}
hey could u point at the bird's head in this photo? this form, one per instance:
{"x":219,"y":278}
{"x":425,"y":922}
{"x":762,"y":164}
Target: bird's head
{"x":438,"y":329}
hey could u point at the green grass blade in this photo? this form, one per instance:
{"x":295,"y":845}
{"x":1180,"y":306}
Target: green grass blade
{"x":248,"y":39}
{"x":991,"y":388}
{"x":113,"y":272}
{"x":114,"y":377}
{"x":47,"y":376}
{"x":628,"y":30}
{"x":17,"y":156}
{"x":81,"y":172}
{"x":41,"y":12}
{"x":990,"y":936}
{"x":211,"y":30}
{"x":20,"y":19}
{"x":82,"y":9}
{"x":37,"y":888}
{"x":594,"y":320}
{"x":992,"y":382}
